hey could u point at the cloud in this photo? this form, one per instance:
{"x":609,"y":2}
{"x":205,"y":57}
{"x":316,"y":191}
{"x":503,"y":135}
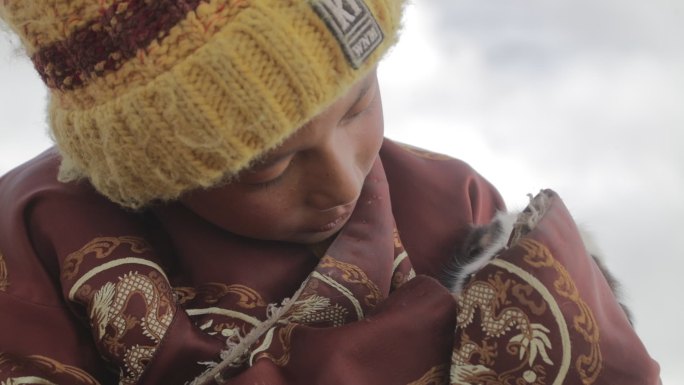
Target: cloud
{"x":581,"y":96}
{"x":538,"y":96}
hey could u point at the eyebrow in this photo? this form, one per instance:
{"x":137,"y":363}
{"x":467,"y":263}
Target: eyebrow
{"x":265,"y":161}
{"x":363,"y":91}
{"x":268,"y":160}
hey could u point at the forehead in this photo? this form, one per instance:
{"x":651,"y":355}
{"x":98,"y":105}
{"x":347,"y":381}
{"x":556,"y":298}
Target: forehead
{"x":330,"y":115}
{"x":341,"y":105}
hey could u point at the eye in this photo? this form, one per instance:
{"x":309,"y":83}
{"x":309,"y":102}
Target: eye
{"x":353,"y":113}
{"x":363,"y":104}
{"x":269,"y":183}
{"x":267,"y":174}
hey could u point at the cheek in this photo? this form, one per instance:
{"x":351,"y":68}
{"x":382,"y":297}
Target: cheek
{"x":265,"y":212}
{"x":371,"y":135}
{"x":255,"y":215}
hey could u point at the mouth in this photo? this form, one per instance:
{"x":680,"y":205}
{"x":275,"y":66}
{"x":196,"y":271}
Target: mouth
{"x":334,"y":224}
{"x":339,"y":217}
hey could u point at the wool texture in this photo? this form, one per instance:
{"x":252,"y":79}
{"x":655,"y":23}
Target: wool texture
{"x":150,"y":99}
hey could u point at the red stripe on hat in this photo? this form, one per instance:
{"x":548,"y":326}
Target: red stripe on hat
{"x":107,"y":42}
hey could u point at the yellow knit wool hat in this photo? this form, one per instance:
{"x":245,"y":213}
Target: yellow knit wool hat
{"x":153,"y":98}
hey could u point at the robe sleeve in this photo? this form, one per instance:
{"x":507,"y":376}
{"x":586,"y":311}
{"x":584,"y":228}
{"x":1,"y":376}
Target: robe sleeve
{"x":85,"y":297}
{"x":41,"y":340}
{"x":542,"y":312}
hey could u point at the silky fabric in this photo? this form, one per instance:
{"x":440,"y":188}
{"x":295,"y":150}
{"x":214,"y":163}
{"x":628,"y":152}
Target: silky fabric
{"x":94,"y":294}
{"x":157,"y":296}
{"x":542,"y":312}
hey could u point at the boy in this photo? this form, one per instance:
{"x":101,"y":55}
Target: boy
{"x":227,"y":209}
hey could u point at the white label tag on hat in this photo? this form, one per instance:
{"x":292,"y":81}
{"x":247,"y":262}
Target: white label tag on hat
{"x":353,"y":25}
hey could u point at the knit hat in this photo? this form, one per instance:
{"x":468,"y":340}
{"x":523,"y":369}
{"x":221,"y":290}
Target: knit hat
{"x":152,"y":98}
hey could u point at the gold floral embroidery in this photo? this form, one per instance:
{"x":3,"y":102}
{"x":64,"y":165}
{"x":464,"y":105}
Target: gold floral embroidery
{"x":4,"y":280}
{"x":184,"y":294}
{"x":353,"y":274}
{"x":588,"y":365}
{"x":346,"y":293}
{"x":284,"y":345}
{"x":334,"y":315}
{"x":227,"y":330}
{"x":248,"y":298}
{"x":100,"y":248}
{"x":397,"y":239}
{"x":202,"y":303}
{"x":402,"y":271}
{"x":45,"y":365}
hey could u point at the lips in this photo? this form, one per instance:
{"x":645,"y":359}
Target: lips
{"x":335,"y":223}
{"x":336,"y":218}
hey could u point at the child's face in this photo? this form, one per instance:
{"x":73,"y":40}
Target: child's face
{"x":305,"y":190}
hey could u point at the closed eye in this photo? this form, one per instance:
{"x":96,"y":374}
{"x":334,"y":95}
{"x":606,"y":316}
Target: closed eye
{"x":268,"y":183}
{"x":267,"y":174}
{"x":362,"y":104}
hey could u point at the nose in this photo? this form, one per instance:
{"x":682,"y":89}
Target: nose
{"x":335,"y":178}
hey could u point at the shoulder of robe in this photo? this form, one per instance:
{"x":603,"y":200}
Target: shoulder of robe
{"x":435,"y":199}
{"x":41,"y":219}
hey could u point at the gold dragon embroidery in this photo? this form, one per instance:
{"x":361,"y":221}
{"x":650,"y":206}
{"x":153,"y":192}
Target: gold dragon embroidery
{"x":532,"y":341}
{"x":109,"y":318}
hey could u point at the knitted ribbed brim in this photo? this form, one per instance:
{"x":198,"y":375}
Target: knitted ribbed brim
{"x":151,"y":99}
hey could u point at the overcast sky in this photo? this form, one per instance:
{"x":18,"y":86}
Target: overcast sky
{"x":580,"y":96}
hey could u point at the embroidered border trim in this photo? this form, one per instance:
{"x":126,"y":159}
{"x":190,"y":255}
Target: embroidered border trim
{"x":46,"y":365}
{"x":106,"y":266}
{"x":566,"y":344}
{"x":223,"y":312}
{"x":590,"y":363}
{"x":100,"y":248}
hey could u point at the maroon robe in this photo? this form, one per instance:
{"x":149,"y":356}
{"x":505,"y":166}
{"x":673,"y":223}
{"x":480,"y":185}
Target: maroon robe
{"x":91,"y":293}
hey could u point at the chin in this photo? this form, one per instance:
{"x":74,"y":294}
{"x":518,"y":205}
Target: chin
{"x":311,"y":238}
